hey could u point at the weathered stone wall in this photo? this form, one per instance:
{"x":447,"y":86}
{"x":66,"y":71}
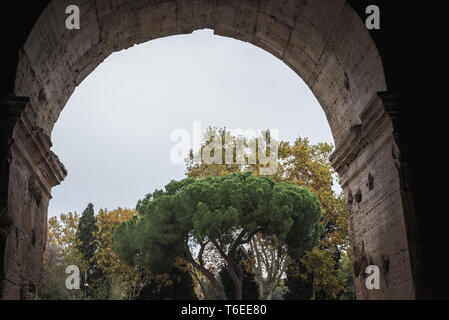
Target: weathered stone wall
{"x":368,"y":169}
{"x":33,"y":171}
{"x":323,"y":41}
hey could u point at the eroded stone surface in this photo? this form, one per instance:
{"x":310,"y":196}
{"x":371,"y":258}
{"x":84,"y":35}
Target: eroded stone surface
{"x":33,"y":171}
{"x":323,"y":41}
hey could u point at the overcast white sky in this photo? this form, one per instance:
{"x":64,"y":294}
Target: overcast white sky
{"x":113,"y":135}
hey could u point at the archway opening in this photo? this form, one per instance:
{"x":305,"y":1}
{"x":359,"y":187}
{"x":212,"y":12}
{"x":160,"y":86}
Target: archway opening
{"x":323,"y":41}
{"x":118,"y":123}
{"x":114,"y":135}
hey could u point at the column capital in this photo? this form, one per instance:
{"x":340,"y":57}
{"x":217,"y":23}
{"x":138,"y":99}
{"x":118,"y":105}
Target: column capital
{"x":374,"y":121}
{"x":22,"y":136}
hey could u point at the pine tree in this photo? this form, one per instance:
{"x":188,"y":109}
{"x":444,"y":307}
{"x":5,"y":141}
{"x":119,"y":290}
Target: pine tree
{"x":175,"y":285}
{"x":99,"y":284}
{"x":298,"y":287}
{"x":86,"y":228}
{"x":250,"y":289}
{"x":226,"y":212}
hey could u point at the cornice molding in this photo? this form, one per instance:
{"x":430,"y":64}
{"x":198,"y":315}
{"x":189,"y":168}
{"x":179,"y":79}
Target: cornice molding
{"x":374,"y":120}
{"x":31,"y":144}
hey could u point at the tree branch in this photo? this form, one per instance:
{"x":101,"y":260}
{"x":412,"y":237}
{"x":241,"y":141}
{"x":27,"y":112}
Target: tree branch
{"x":220,"y":250}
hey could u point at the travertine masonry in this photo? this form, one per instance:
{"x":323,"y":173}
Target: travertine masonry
{"x":323,"y":41}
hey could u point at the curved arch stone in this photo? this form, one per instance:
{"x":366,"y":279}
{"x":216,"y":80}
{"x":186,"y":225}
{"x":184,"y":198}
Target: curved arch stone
{"x":323,"y":41}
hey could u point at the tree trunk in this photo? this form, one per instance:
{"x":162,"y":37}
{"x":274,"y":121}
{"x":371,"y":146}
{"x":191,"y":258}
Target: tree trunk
{"x":236,"y":280}
{"x":217,"y":285}
{"x":261,"y":294}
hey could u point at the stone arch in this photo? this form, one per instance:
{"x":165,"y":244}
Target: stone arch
{"x":324,"y":41}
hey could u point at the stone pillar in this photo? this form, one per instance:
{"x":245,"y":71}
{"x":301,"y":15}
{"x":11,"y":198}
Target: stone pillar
{"x":381,"y":228}
{"x":28,"y":172}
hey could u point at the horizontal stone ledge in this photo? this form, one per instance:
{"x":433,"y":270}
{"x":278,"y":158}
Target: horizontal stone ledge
{"x":374,"y":119}
{"x":32,"y":144}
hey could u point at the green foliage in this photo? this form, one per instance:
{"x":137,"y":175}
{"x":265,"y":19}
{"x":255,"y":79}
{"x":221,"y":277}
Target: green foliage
{"x":60,"y":252}
{"x":226,"y":211}
{"x":176,"y":285}
{"x":128,"y":246}
{"x":299,"y":288}
{"x":306,"y":165}
{"x":121,"y":280}
{"x":85,"y":233}
{"x":214,"y":212}
{"x":345,"y":272}
{"x":107,"y":276}
{"x":99,"y":284}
